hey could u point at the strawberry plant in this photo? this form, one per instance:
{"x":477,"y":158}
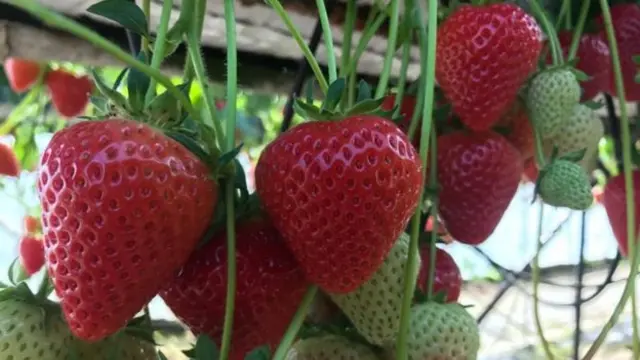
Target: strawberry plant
{"x":142,"y":191}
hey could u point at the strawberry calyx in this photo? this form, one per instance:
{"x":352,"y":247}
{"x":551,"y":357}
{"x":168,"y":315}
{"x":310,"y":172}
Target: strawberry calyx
{"x":341,"y":327}
{"x":421,"y":297}
{"x":365,"y":104}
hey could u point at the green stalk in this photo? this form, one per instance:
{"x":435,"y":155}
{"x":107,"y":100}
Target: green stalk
{"x":193,"y":47}
{"x":562,"y":16}
{"x":347,"y":36}
{"x":582,"y":19}
{"x":232,"y":87}
{"x":55,"y":20}
{"x":433,"y":184}
{"x":406,"y":56}
{"x":556,"y":50}
{"x":146,"y":9}
{"x":428,"y":60}
{"x":535,"y":279}
{"x":296,"y":323}
{"x":392,"y":38}
{"x":328,"y":40}
{"x":313,"y":63}
{"x":15,"y":116}
{"x":185,"y":21}
{"x":371,"y":28}
{"x":629,"y":288}
{"x":159,"y":45}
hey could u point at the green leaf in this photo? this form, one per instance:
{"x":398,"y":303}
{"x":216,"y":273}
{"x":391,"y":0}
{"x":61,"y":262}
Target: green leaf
{"x":364,"y":91}
{"x":226,"y":158}
{"x":309,"y":90}
{"x":119,"y":78}
{"x":261,"y":353}
{"x":125,"y":13}
{"x":334,"y":94}
{"x":306,"y":110}
{"x":636,"y":59}
{"x":206,"y":349}
{"x":137,"y":86}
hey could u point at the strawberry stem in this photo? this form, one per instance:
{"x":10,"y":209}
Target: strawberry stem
{"x":630,"y":285}
{"x":17,"y":113}
{"x":328,"y":40}
{"x":229,"y":144}
{"x":394,"y":21}
{"x":313,"y":63}
{"x":406,"y":55}
{"x":61,"y":22}
{"x":433,"y":184}
{"x":535,"y":279}
{"x":146,"y":9}
{"x":159,"y":46}
{"x":554,"y":43}
{"x":582,"y":19}
{"x":428,"y":39}
{"x":296,"y":323}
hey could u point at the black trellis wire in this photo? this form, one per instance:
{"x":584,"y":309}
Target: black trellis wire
{"x":511,"y":277}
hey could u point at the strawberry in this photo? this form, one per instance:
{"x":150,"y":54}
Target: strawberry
{"x":27,"y":331}
{"x":123,"y":206}
{"x":530,"y":170}
{"x":551,"y":97}
{"x":374,"y":307}
{"x":484,"y":55}
{"x":614,"y":201}
{"x":441,"y":332}
{"x":9,"y":164}
{"x":121,"y":346}
{"x":341,"y":193}
{"x":31,"y":251}
{"x":270,"y":286}
{"x":564,"y":183}
{"x":447,"y":278}
{"x":478,"y":174}
{"x":22,"y":73}
{"x":626,"y":25}
{"x":598,"y":194}
{"x":69,"y":93}
{"x":443,"y":234}
{"x":31,"y":224}
{"x":519,"y":129}
{"x":583,"y":131}
{"x":593,"y":59}
{"x":330,"y":347}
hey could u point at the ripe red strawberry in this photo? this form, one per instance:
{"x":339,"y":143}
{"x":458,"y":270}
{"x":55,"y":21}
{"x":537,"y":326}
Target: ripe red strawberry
{"x":270,"y":286}
{"x":484,"y":55}
{"x":22,"y":73}
{"x":615,"y":204}
{"x":593,"y":59}
{"x":69,"y":93}
{"x":9,"y":164}
{"x":519,"y":129}
{"x":123,"y":206}
{"x":626,"y":24}
{"x":31,"y":224}
{"x":341,"y":193}
{"x":31,"y":250}
{"x":478,"y":174}
{"x":530,"y":170}
{"x":447,"y":278}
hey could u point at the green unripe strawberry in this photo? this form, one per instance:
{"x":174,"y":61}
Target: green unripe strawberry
{"x":121,"y":346}
{"x":441,"y":331}
{"x":374,"y":308}
{"x":330,"y":347}
{"x":564,"y":183}
{"x":29,"y":331}
{"x":583,"y":131}
{"x":551,"y":96}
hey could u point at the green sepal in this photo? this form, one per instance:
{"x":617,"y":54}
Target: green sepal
{"x":334,"y":94}
{"x":206,"y":349}
{"x":174,"y":37}
{"x":260,"y":353}
{"x":190,"y":144}
{"x":17,"y":275}
{"x":593,"y":105}
{"x":161,"y":356}
{"x":137,"y":85}
{"x":421,"y":297}
{"x":573,"y":156}
{"x":116,"y":98}
{"x":364,"y":91}
{"x":228,"y":157}
{"x":636,"y":59}
{"x":367,"y":107}
{"x":101,"y":105}
{"x":119,"y":78}
{"x":580,"y":75}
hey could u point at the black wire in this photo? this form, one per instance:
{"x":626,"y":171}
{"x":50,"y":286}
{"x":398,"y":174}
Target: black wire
{"x":577,"y":336}
{"x":303,"y":72}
